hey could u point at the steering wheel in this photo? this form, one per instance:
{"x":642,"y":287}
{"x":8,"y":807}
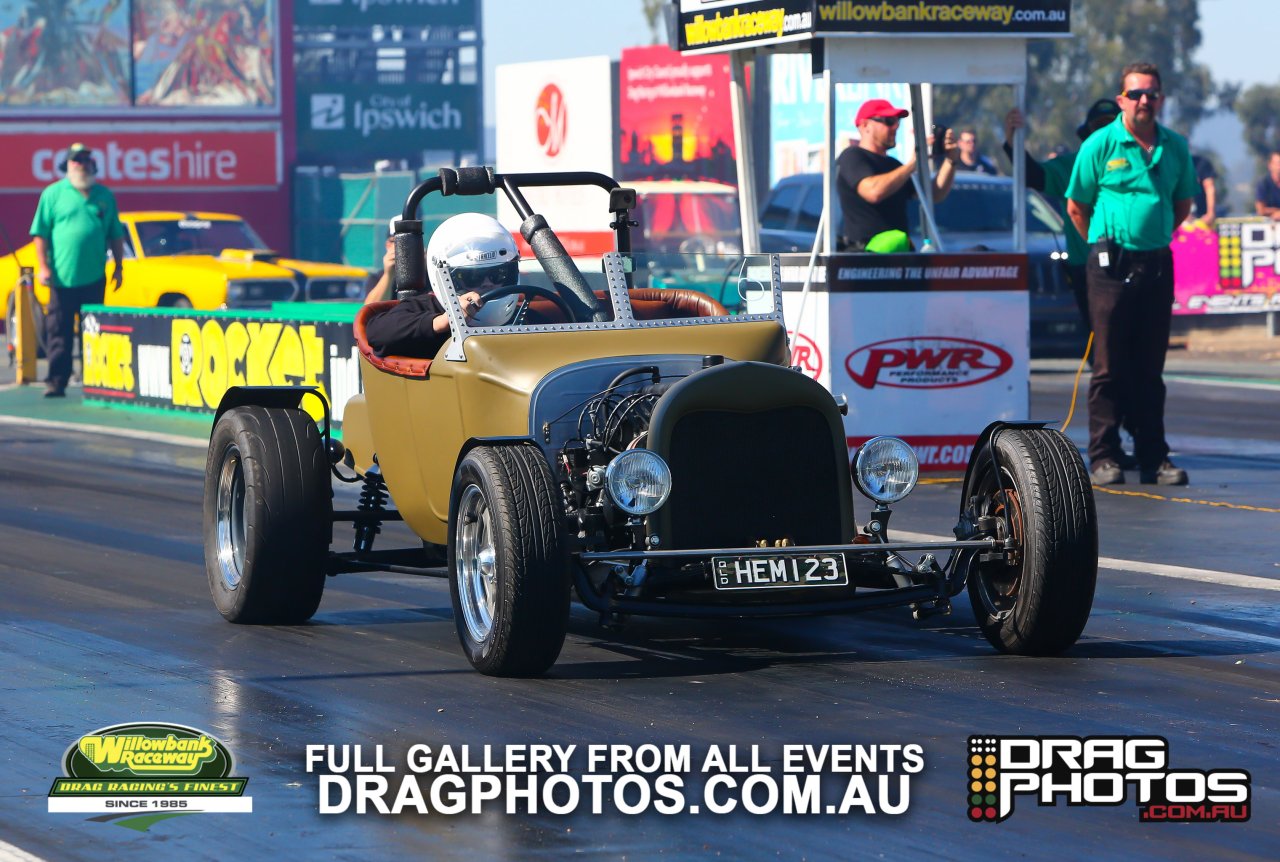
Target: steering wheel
{"x":528,"y":290}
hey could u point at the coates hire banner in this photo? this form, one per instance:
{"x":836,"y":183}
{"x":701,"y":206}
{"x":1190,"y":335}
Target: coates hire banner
{"x":558,"y":116}
{"x":404,"y":13}
{"x":345,"y":124}
{"x":187,"y":361}
{"x":937,"y":343}
{"x":675,"y":115}
{"x":707,"y":25}
{"x":177,"y":160}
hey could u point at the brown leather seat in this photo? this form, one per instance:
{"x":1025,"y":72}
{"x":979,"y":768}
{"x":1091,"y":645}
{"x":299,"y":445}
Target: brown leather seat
{"x":403,"y":366}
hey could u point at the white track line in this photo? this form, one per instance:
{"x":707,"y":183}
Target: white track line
{"x":1272,"y":386}
{"x":9,"y":853}
{"x":151,"y":436}
{"x":1182,"y":573}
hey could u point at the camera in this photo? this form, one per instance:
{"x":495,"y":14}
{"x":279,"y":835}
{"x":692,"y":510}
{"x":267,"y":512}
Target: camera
{"x":939,"y":151}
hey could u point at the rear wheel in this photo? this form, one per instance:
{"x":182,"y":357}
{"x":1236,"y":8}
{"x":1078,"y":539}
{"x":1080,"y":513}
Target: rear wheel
{"x":1035,"y":601}
{"x":268,"y":513}
{"x":508,"y":574}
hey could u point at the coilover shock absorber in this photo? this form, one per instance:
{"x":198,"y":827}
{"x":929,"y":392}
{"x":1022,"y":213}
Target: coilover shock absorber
{"x":373,"y":502}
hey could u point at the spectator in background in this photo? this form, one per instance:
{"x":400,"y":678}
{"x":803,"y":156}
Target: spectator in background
{"x":1205,"y":205}
{"x":970,"y":158}
{"x":1051,"y":177}
{"x":76,"y":221}
{"x":1132,"y":185}
{"x":1267,"y":199}
{"x":874,"y":187}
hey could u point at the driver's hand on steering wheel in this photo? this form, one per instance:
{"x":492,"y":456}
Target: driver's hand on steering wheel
{"x":470,"y":302}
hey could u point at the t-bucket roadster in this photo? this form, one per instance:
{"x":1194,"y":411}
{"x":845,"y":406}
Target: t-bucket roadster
{"x":637,"y":447}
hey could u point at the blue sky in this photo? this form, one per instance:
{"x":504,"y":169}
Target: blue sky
{"x":1241,"y":37}
{"x":1240,"y":40}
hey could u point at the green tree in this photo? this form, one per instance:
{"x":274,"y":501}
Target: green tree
{"x":653,"y":15}
{"x":1067,"y":75}
{"x":1259,"y":110}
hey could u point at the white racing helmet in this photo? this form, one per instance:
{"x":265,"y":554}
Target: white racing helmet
{"x":479,"y":254}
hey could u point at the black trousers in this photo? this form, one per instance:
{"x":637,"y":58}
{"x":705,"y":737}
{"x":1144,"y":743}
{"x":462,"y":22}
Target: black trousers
{"x":59,"y":327}
{"x":1130,"y":307}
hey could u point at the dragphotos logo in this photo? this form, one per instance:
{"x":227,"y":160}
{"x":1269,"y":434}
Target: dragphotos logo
{"x":1099,"y":771}
{"x":926,"y":362}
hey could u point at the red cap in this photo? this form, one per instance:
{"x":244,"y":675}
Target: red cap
{"x":879,"y":108}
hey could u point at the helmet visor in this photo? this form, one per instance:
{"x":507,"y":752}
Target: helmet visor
{"x":480,"y":277}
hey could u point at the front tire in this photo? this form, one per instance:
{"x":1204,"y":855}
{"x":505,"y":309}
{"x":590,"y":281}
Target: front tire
{"x":1038,"y":601}
{"x":268,"y":512}
{"x":508,"y":573}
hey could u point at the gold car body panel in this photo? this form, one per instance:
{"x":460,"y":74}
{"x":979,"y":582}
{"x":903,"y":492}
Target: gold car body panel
{"x":421,"y":428}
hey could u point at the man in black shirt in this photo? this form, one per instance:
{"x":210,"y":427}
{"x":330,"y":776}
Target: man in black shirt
{"x":874,"y":187}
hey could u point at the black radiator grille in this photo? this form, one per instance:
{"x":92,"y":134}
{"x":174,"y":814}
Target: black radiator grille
{"x":741,"y":477}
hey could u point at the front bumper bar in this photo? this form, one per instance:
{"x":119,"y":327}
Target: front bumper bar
{"x":932,"y":596}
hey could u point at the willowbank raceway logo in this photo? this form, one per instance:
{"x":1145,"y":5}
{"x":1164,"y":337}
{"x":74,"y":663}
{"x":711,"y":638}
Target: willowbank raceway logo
{"x":1099,"y":771}
{"x":146,"y":772}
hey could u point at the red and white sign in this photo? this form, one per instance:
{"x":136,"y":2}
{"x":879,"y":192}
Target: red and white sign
{"x":805,"y":354}
{"x":937,"y":362}
{"x":932,"y":366}
{"x":148,"y":160}
{"x":553,"y":120}
{"x":558,"y":116}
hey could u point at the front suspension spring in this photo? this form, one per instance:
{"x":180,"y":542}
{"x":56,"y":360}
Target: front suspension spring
{"x":373,"y":502}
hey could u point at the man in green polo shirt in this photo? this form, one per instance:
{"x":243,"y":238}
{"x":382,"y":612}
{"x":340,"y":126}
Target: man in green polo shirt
{"x":76,"y":221}
{"x":1131,"y":186}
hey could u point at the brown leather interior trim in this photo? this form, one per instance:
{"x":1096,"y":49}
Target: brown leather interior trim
{"x":402,"y":366}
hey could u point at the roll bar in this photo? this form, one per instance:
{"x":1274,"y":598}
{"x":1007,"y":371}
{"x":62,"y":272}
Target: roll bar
{"x":410,"y":267}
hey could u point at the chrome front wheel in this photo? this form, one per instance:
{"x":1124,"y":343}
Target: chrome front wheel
{"x":477,"y":573}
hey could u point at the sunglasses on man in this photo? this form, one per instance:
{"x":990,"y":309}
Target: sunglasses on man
{"x":1152,"y":94}
{"x":887,"y":121}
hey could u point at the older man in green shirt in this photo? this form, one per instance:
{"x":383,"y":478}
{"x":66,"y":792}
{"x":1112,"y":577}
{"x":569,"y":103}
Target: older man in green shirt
{"x":76,"y":221}
{"x":1131,"y":186}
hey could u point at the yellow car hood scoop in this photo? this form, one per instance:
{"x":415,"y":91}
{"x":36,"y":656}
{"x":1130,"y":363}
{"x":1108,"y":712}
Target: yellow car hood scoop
{"x":248,"y":255}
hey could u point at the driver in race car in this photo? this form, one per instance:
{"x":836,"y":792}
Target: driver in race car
{"x":480,"y":256}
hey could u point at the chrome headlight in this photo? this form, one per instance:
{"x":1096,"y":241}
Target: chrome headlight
{"x":638,"y":481}
{"x":885,"y":469}
{"x":355,"y":289}
{"x":235,"y":292}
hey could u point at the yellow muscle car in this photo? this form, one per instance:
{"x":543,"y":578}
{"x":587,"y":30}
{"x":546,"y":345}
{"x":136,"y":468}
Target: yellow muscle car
{"x":200,"y":260}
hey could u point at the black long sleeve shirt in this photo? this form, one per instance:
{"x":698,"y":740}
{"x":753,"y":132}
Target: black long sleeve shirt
{"x":408,"y":328}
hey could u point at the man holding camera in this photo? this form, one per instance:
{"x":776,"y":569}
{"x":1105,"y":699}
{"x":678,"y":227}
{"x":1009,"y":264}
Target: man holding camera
{"x":874,"y":188}
{"x":76,"y":221}
{"x":1131,"y":186}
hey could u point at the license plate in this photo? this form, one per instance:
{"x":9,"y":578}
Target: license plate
{"x":762,"y":573}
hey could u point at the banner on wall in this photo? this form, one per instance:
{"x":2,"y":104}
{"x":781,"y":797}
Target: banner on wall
{"x":1230,"y":268}
{"x":558,"y":116}
{"x":79,"y":57}
{"x":106,"y":54}
{"x":675,"y":117}
{"x":186,"y":362}
{"x":337,"y":122}
{"x":187,"y":158}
